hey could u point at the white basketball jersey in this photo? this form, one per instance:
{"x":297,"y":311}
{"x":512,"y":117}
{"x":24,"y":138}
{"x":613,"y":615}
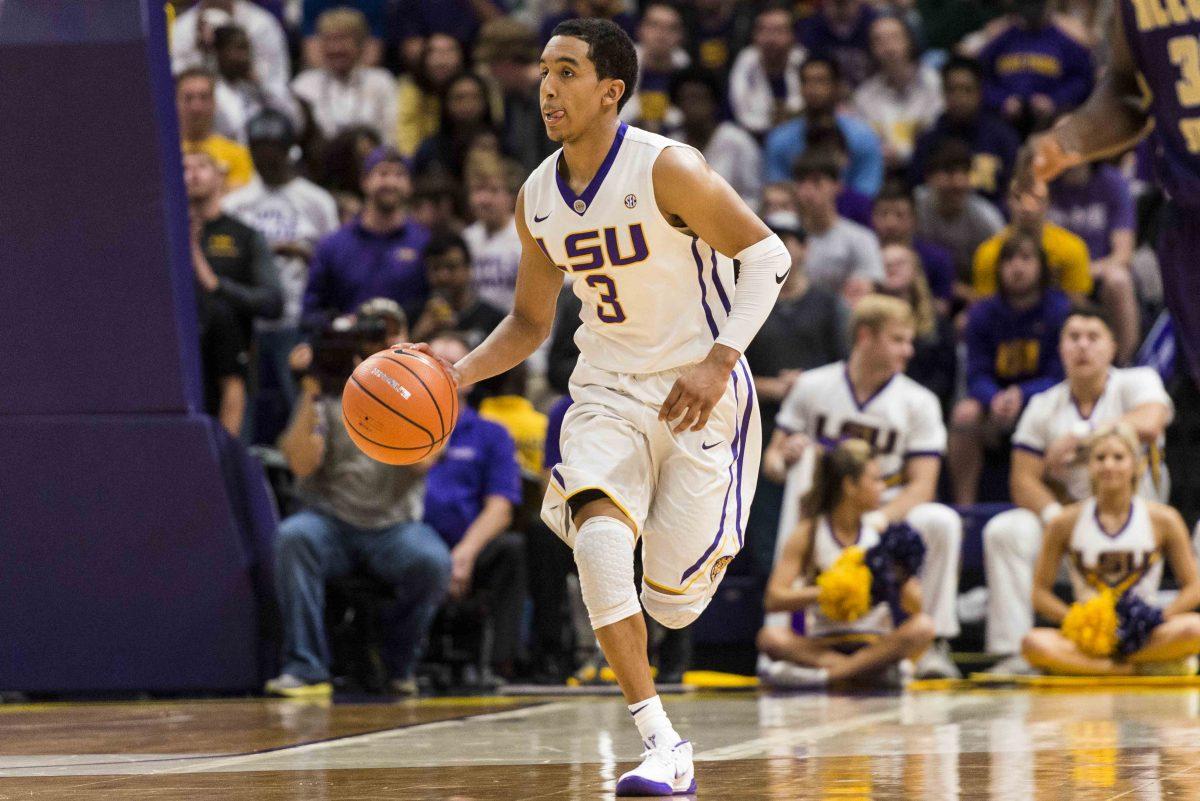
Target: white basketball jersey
{"x":901,"y":420}
{"x":654,"y":296}
{"x":1121,"y":560}
{"x":1054,"y":413}
{"x":826,"y":550}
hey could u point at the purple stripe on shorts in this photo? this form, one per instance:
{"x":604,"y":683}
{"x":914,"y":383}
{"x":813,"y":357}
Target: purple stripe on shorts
{"x":733,"y":446}
{"x":717,"y":282}
{"x":712,"y":324}
{"x":742,"y":454}
{"x":557,"y":475}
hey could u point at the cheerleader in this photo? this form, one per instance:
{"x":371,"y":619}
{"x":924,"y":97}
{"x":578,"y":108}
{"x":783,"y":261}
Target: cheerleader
{"x":1115,"y":543}
{"x":850,"y":633}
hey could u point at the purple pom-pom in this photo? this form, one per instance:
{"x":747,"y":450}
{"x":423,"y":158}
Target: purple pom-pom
{"x":1136,"y":619}
{"x":896,"y":557}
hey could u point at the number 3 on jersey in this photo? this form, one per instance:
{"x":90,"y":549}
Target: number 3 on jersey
{"x":1185,"y":54}
{"x":609,"y":309}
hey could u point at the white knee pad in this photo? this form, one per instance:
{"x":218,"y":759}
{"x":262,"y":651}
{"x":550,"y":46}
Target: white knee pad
{"x":604,"y":556}
{"x":674,"y":613}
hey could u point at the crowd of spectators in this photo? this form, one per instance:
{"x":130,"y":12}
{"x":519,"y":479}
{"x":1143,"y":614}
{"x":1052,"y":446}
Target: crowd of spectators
{"x":357,"y":160}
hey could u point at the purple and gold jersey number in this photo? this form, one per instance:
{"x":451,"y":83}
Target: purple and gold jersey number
{"x":589,"y":251}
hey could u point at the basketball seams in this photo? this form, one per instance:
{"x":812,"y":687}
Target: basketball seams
{"x":399,"y":414}
{"x":428,"y":391}
{"x":359,"y":433}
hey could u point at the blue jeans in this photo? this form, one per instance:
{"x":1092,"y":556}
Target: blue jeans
{"x":313,"y":547}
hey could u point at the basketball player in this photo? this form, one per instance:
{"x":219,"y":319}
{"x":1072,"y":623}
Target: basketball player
{"x":868,"y":397}
{"x":1152,"y":82}
{"x":1118,"y":540}
{"x":847,"y":485}
{"x":663,"y":440}
{"x":1047,"y":465}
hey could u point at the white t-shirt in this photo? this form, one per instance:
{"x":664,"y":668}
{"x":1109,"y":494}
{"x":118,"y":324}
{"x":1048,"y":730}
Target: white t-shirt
{"x":298,"y":211}
{"x":1053,"y":413}
{"x":366,"y":97}
{"x":847,"y":250}
{"x":900,"y":116}
{"x":901,"y":420}
{"x":494,"y":261}
{"x":272,"y":65}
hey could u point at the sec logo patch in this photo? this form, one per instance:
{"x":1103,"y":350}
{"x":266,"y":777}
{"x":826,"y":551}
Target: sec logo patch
{"x":630,"y":201}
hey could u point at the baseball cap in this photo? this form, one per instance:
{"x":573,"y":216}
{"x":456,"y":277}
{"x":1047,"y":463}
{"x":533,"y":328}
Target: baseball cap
{"x":270,"y":125}
{"x":381,"y":154}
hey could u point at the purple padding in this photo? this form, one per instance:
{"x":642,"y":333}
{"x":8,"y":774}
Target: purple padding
{"x":122,"y":567}
{"x":96,"y":291}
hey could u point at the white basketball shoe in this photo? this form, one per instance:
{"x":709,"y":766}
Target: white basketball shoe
{"x":665,"y":770}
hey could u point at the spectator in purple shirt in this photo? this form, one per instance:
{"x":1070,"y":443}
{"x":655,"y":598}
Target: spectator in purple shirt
{"x":1094,"y":202}
{"x":894,"y":218}
{"x":1034,"y":71}
{"x":992,"y":141}
{"x":470,"y":494}
{"x":612,"y":10}
{"x":841,"y":31}
{"x":660,"y":57}
{"x":1012,"y":354}
{"x":378,"y":254}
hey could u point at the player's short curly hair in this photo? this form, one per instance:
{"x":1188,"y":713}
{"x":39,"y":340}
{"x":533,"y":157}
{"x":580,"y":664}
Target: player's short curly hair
{"x":609,"y":48}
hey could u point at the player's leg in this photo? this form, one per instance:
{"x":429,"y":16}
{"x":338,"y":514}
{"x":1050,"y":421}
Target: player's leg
{"x":1173,"y":639}
{"x":1011,"y":541}
{"x":1049,"y":651}
{"x":604,"y":548}
{"x":940,"y":528}
{"x":964,"y":450}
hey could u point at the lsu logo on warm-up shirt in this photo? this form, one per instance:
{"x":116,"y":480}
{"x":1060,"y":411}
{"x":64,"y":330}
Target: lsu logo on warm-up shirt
{"x":654,"y":295}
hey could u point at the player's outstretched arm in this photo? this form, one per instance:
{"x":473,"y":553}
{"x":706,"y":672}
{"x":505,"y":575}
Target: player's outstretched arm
{"x":1111,"y":121}
{"x":688,"y":189}
{"x":529,"y":323}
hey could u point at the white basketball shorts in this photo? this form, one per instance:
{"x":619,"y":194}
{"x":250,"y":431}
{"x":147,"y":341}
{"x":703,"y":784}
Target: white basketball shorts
{"x":687,"y":494}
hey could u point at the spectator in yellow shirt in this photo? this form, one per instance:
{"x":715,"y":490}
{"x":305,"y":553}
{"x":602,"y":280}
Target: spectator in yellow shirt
{"x":507,"y":405}
{"x":1066,"y":253}
{"x":195,"y":101}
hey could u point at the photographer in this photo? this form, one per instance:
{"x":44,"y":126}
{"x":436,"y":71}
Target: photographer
{"x":358,"y":514}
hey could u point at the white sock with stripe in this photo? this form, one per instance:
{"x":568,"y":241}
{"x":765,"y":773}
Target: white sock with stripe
{"x":653,"y":723}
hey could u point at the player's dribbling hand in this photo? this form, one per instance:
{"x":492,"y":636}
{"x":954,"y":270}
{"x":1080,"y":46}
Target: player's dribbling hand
{"x":1043,"y":159}
{"x":422,"y":347}
{"x":694,"y":395}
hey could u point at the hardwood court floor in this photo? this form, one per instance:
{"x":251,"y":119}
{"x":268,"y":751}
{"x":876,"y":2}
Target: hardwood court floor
{"x":937,"y":746}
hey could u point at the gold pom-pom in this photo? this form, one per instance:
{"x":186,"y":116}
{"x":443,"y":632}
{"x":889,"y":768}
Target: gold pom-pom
{"x":845,"y":588}
{"x":1092,"y":625}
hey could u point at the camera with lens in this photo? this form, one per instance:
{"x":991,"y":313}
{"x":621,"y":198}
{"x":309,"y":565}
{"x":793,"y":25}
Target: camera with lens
{"x":339,"y":345}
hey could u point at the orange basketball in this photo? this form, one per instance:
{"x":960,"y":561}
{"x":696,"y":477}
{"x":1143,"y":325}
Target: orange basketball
{"x":399,"y":406}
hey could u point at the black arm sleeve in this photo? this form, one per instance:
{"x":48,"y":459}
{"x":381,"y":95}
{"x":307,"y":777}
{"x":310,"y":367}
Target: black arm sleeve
{"x":264,"y":298}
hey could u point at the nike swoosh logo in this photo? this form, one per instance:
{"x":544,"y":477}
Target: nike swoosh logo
{"x":779,"y":279}
{"x":706,"y":446}
{"x":540,"y":219}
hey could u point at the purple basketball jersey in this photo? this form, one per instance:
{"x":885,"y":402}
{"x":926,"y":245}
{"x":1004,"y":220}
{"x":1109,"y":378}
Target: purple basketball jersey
{"x":1164,"y":38}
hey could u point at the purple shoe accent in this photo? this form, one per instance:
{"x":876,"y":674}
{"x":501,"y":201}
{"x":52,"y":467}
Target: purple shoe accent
{"x":638,"y":786}
{"x":688,"y":791}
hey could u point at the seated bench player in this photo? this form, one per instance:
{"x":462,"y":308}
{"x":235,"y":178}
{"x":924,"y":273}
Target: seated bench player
{"x":1048,"y":469}
{"x":869,"y":397}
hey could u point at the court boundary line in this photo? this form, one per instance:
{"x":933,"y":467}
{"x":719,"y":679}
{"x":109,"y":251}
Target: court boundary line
{"x":275,"y":748}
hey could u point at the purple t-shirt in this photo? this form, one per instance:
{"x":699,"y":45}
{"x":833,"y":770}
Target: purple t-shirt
{"x":1095,"y":209}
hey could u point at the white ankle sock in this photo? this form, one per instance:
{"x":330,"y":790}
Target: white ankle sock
{"x":653,"y":723}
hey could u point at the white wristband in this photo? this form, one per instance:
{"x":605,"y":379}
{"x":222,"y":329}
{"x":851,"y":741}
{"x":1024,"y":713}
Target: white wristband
{"x":876,"y":520}
{"x":1051,"y":511}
